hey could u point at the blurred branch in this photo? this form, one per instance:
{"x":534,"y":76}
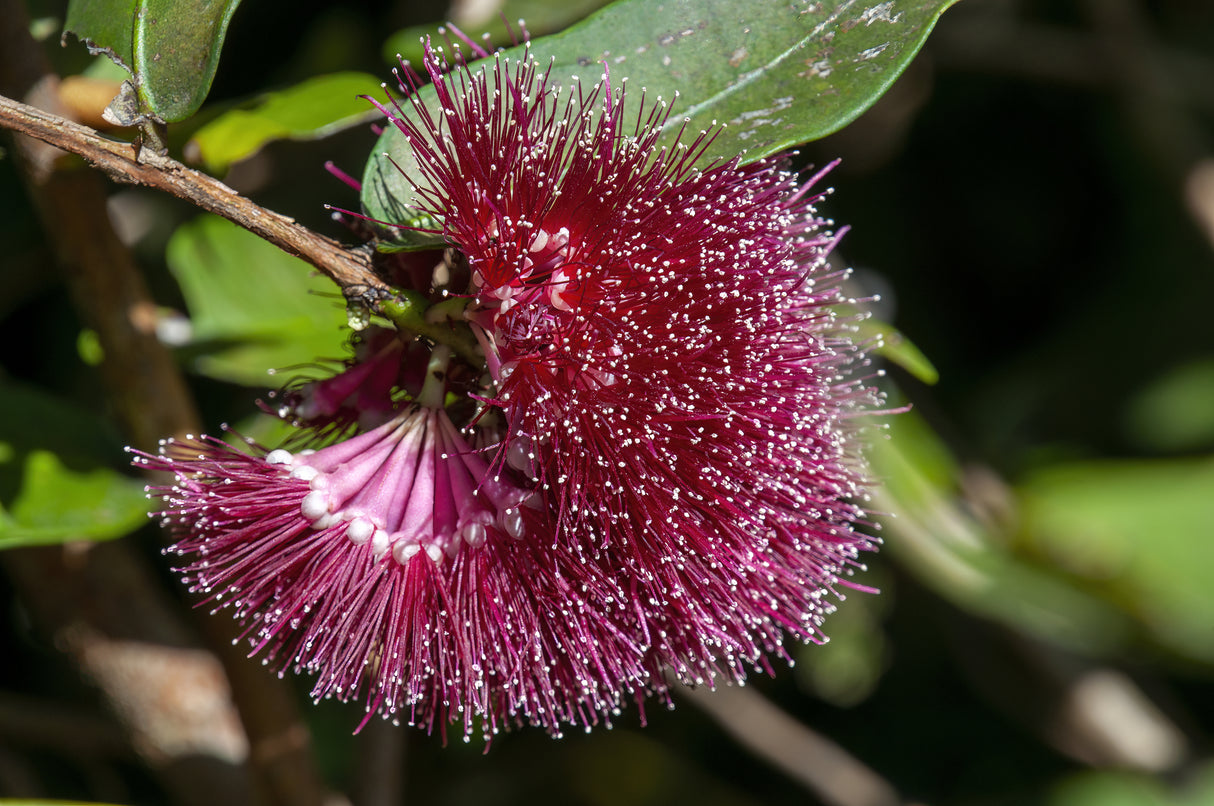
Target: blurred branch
{"x":954,"y":536}
{"x":1153,"y":103}
{"x":102,"y":603}
{"x":172,"y":700}
{"x":1091,"y":713}
{"x":823,"y":767}
{"x":379,"y":778}
{"x":89,"y":743}
{"x":17,"y":776}
{"x":125,"y":162}
{"x":51,"y":725}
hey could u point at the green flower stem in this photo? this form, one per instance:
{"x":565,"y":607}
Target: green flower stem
{"x":449,"y":310}
{"x":408,"y":311}
{"x":434,"y":389}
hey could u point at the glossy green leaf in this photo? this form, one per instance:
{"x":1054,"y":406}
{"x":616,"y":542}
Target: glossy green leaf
{"x":170,"y":47}
{"x":1136,"y":532}
{"x":253,"y":307}
{"x":773,"y":74}
{"x":106,"y":26}
{"x":57,"y":481}
{"x":309,"y":110}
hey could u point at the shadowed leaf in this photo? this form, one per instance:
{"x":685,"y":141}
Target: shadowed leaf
{"x":56,"y":478}
{"x":252,"y":306}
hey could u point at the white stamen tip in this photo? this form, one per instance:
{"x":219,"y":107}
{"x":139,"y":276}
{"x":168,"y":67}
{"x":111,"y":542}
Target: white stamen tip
{"x":315,"y":505}
{"x":380,"y":542}
{"x":325,"y":521}
{"x":279,"y":457}
{"x":474,"y":534}
{"x":512,"y":522}
{"x":305,"y":472}
{"x":404,"y":551}
{"x":360,"y":530}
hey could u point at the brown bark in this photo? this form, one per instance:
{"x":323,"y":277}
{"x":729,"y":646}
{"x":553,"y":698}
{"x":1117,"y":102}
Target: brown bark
{"x":126,"y":162}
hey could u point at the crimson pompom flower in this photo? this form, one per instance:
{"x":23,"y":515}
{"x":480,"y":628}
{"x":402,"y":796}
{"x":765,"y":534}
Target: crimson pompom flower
{"x":663,"y":344}
{"x":654,"y":475}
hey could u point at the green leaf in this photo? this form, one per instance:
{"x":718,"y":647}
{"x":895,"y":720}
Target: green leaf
{"x":58,"y":504}
{"x":774,"y":74}
{"x":935,"y":534}
{"x":1174,"y":414}
{"x":1135,"y":531}
{"x":1125,"y":788}
{"x":900,"y":350}
{"x":310,"y":110}
{"x":170,"y":47}
{"x":253,"y":307}
{"x":56,"y":481}
{"x":893,"y":346}
{"x":1102,"y":788}
{"x":106,"y":26}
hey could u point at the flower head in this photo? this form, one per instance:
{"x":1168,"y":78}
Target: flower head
{"x":663,"y":346}
{"x":661,"y":473}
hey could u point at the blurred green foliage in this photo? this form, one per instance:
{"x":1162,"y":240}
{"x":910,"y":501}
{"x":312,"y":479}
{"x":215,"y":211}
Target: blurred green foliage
{"x":312,"y":109}
{"x":1127,"y":789}
{"x":57,"y":475}
{"x":1133,"y":531}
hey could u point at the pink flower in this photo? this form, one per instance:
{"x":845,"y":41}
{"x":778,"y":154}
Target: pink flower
{"x":656,"y":470}
{"x":399,"y":569}
{"x":663,"y":347}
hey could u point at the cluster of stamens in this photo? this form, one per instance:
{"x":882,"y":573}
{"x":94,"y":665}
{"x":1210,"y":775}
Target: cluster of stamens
{"x":657,"y":472}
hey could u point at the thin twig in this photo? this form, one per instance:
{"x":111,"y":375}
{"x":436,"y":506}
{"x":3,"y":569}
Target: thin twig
{"x":823,"y":767}
{"x":380,"y":774}
{"x":124,"y":162}
{"x":31,"y":722}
